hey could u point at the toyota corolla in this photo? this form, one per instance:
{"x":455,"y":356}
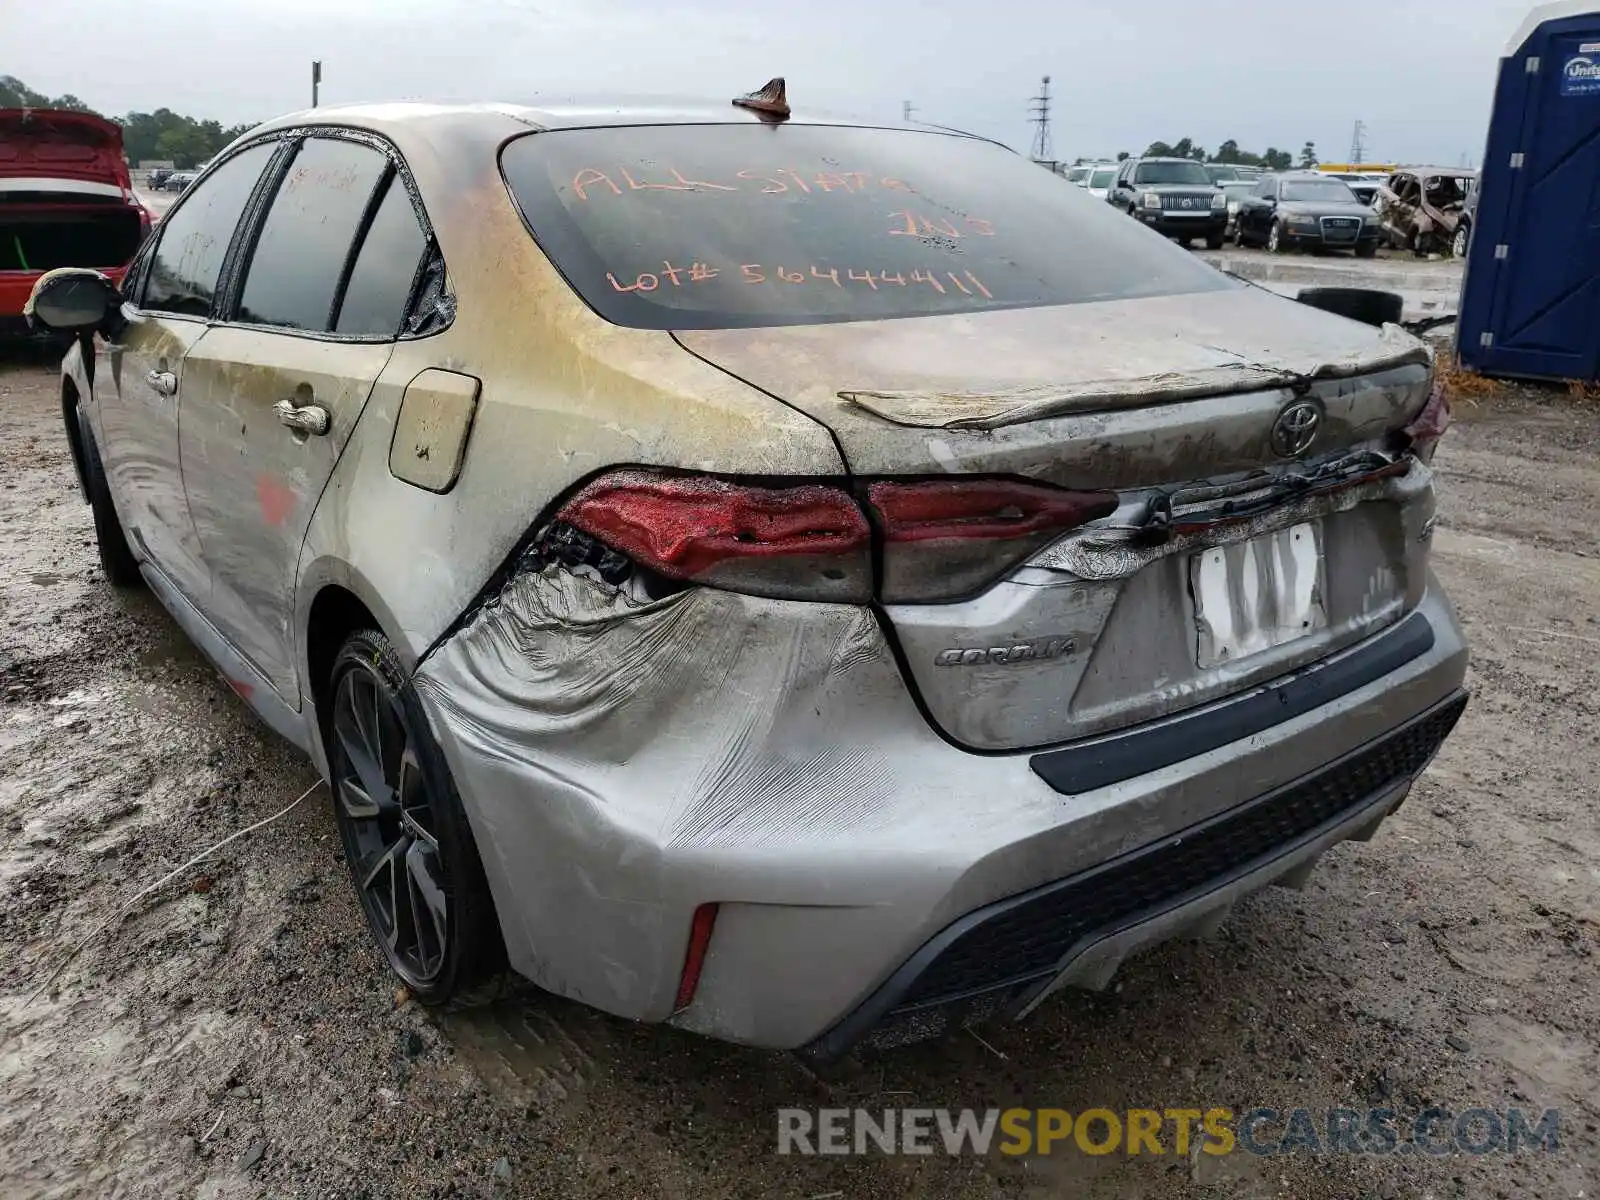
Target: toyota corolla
{"x":807,"y":582}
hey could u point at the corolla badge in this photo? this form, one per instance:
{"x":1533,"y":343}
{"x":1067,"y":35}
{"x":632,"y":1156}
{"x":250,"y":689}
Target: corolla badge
{"x":1296,"y":428}
{"x":1039,"y":649}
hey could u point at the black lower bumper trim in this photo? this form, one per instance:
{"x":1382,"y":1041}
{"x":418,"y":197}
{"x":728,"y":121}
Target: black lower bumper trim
{"x":1120,"y":756}
{"x":991,"y":961}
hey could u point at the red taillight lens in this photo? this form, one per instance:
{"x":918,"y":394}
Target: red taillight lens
{"x":1430,"y":424}
{"x":694,"y":958}
{"x":810,"y":542}
{"x":943,"y":539}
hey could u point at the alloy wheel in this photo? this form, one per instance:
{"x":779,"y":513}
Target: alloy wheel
{"x":386,"y":817}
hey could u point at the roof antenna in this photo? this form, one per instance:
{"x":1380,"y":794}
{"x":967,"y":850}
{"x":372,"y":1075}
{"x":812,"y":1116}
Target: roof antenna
{"x":771,"y":101}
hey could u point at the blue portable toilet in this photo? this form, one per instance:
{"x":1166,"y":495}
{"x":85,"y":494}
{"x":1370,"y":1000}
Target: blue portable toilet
{"x":1530,"y":302}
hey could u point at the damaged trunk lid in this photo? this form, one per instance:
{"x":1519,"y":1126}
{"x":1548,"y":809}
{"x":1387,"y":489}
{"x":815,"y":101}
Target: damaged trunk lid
{"x":1248,"y":538}
{"x":48,"y":150}
{"x":1104,"y":481}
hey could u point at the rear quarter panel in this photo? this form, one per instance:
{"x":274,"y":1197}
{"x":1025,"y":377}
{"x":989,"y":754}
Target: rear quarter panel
{"x":564,"y":395}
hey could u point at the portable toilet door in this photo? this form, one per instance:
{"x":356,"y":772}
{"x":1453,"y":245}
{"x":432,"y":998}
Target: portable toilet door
{"x":1530,"y":302}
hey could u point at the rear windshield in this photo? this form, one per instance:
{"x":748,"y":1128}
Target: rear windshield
{"x":1171,"y":172}
{"x":1102,"y":179}
{"x":718,"y":226}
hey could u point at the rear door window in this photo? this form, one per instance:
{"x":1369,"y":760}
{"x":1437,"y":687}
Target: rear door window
{"x":715,"y":226}
{"x":305,"y":241}
{"x":195,"y":236}
{"x":385,"y":271}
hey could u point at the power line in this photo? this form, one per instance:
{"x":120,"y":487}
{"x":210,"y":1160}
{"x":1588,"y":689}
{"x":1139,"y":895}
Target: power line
{"x":1039,"y":114}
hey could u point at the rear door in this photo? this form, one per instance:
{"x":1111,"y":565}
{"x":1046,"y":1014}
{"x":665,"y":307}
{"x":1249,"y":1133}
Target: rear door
{"x":274,"y":391}
{"x":143,"y":375}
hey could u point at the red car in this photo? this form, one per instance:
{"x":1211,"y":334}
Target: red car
{"x":65,"y":201}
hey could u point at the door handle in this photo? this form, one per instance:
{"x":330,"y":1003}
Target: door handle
{"x":309,"y":419}
{"x":164,"y":382}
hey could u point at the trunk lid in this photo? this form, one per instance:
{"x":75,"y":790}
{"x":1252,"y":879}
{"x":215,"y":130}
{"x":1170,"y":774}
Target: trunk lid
{"x":54,"y":145}
{"x":1148,"y":398}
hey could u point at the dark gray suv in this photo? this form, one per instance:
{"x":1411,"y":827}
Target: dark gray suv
{"x":1173,"y":196}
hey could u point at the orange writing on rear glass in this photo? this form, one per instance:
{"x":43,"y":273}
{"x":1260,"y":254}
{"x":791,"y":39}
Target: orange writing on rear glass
{"x":587,"y":178}
{"x":919,"y":225}
{"x":777,"y":185}
{"x":638,"y":285}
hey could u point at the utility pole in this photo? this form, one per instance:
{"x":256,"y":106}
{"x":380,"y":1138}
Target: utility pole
{"x":1358,"y":143}
{"x":316,"y":80}
{"x":906,"y":111}
{"x":1039,"y":114}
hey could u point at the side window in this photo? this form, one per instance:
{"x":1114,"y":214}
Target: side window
{"x":194,"y":237}
{"x":385,"y":269}
{"x":305,"y":241}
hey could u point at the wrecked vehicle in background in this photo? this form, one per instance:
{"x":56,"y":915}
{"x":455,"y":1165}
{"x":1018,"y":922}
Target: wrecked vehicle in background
{"x":875,"y":587}
{"x":1420,"y":207}
{"x":66,"y":200}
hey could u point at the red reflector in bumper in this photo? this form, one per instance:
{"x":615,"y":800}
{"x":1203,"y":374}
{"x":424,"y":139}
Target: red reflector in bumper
{"x":705,"y":919}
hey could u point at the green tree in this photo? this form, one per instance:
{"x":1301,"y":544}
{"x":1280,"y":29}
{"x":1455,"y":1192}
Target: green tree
{"x":1277,"y":160}
{"x":16,"y":94}
{"x":1122,"y":156}
{"x":1308,"y":156}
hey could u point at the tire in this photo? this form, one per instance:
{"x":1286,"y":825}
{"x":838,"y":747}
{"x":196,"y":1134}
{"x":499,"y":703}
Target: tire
{"x":1239,"y":238}
{"x":1215,"y":241}
{"x":1367,"y":250}
{"x":412,"y":857}
{"x":1461,"y":240}
{"x":1275,"y":238}
{"x":116,"y":556}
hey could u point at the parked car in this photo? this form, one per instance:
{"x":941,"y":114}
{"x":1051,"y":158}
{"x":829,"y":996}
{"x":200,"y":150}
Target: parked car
{"x":1234,"y":191}
{"x":712,"y":605}
{"x":1365,"y":187}
{"x":1173,"y":196}
{"x":1420,"y":207}
{"x":1306,"y":210}
{"x":1078,"y":174}
{"x":1461,"y":239}
{"x":66,"y":200}
{"x":1100,"y":180}
{"x":158,"y":178}
{"x":178,"y":181}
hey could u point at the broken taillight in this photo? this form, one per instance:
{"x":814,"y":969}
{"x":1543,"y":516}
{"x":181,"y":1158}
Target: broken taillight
{"x":808,"y":542}
{"x":947,"y":538}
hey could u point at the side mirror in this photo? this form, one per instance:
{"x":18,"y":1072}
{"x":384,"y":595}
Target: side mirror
{"x":71,"y":300}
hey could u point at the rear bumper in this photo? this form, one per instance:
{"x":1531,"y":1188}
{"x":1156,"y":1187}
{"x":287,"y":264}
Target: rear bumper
{"x":1000,"y":961}
{"x":623,"y":766}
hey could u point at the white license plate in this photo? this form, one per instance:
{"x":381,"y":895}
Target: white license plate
{"x":1253,"y":595}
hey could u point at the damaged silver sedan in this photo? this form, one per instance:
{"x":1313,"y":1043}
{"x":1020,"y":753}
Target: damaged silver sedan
{"x":809,"y":583}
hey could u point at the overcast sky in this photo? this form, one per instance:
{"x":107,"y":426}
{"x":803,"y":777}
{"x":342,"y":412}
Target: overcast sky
{"x":1420,"y":73}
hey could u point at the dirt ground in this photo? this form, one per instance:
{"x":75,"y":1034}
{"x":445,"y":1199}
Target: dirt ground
{"x":237,"y":1037}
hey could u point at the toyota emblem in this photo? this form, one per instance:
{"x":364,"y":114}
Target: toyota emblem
{"x":1296,"y":428}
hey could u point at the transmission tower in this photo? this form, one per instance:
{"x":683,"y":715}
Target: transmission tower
{"x":906,"y":110}
{"x":1039,"y":114}
{"x":1358,"y":143}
